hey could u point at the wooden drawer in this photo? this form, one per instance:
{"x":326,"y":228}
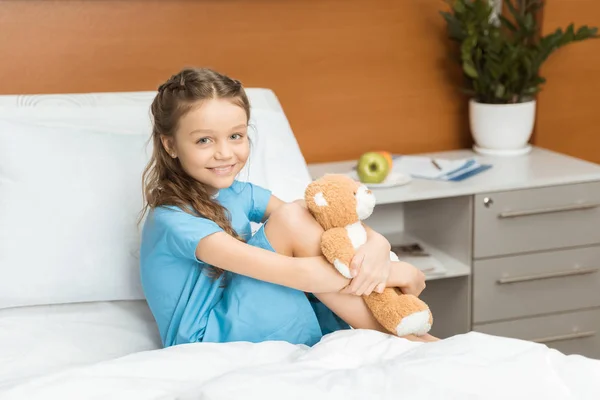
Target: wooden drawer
{"x":571,"y":333}
{"x":536,"y":219}
{"x":531,"y":284}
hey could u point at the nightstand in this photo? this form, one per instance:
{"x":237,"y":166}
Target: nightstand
{"x":520,"y":243}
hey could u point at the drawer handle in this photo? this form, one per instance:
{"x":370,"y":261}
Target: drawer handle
{"x":547,"y":210}
{"x":568,"y":336}
{"x":537,"y":277}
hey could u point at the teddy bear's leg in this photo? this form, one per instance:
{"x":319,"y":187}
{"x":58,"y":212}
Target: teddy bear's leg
{"x":337,"y":248}
{"x":401,"y":314}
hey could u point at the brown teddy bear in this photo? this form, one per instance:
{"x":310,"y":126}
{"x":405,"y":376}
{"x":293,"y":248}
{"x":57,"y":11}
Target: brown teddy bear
{"x":339,"y":204}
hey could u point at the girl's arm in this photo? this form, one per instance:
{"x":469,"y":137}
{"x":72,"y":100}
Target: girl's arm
{"x":308,"y":274}
{"x":371,"y":266}
{"x":274,"y":204}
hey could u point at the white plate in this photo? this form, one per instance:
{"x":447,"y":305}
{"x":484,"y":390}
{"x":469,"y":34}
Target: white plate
{"x":393,"y":179}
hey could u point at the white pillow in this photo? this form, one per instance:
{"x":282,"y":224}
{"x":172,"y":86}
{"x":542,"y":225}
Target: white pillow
{"x":275,"y":161}
{"x":70,"y":193}
{"x":284,"y":165}
{"x":70,"y":190}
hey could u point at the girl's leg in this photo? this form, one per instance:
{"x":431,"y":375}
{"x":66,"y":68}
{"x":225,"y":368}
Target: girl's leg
{"x":293,"y":231}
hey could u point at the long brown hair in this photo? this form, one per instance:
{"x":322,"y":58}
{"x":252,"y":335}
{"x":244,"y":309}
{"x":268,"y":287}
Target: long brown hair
{"x":164,"y":180}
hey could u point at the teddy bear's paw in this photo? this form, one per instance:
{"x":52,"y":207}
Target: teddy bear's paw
{"x":418,"y":323}
{"x":342,"y":268}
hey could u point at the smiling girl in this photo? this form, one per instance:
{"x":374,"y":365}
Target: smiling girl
{"x":205,"y":276}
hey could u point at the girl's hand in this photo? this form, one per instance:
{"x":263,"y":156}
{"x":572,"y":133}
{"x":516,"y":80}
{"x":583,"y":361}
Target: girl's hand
{"x":408,"y":278}
{"x":370,"y":267}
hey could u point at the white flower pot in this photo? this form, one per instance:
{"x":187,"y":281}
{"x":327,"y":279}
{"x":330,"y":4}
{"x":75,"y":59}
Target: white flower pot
{"x":502,"y":129}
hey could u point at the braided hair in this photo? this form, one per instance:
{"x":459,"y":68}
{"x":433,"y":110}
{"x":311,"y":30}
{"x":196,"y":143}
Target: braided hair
{"x":164,"y":180}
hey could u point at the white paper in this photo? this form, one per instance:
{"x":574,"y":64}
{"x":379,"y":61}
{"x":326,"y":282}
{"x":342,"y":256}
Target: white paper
{"x":427,"y":167}
{"x":429,"y":265}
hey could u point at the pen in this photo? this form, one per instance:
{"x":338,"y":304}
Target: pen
{"x":436,"y":164}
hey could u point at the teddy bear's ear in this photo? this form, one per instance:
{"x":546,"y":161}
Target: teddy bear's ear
{"x":314,"y":196}
{"x":320,"y":199}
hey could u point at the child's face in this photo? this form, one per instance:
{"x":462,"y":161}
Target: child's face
{"x":212,"y":142}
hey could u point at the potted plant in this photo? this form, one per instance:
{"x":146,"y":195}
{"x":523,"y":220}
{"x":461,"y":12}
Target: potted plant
{"x":501,"y":56}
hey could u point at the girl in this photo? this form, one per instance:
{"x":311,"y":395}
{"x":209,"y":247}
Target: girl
{"x":205,"y":276}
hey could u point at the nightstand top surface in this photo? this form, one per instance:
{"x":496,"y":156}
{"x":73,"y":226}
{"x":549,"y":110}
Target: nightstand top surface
{"x":539,"y":168}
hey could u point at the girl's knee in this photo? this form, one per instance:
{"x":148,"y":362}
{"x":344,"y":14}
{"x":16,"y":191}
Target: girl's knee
{"x":292,"y":230}
{"x":293,"y":216}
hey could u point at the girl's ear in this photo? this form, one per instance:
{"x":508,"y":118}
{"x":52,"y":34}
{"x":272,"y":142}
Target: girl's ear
{"x":167,"y":143}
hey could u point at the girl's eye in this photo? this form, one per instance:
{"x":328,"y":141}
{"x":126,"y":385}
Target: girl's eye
{"x":203,"y":140}
{"x":236,"y":136}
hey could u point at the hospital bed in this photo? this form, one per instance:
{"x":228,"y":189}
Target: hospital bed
{"x":73,"y":320}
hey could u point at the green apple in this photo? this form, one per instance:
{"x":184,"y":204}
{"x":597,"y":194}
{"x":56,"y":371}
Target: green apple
{"x":372,"y":167}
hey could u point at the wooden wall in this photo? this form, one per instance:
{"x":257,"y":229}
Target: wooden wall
{"x":353,"y":75}
{"x":569,"y":105}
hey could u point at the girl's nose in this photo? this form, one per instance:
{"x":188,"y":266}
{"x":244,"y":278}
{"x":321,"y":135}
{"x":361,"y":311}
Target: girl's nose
{"x":223,"y":152}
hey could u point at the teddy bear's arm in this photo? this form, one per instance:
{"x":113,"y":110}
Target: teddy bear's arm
{"x":337,"y":248}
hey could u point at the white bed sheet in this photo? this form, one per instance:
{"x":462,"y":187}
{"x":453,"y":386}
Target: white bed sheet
{"x":46,"y":339}
{"x":355,"y":364}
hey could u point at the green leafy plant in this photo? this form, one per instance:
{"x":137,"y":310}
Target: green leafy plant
{"x":501,"y":55}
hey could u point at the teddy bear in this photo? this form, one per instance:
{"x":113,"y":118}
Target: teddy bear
{"x":339,"y":204}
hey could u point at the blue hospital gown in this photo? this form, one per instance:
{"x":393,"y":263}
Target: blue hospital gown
{"x":190,"y":306}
